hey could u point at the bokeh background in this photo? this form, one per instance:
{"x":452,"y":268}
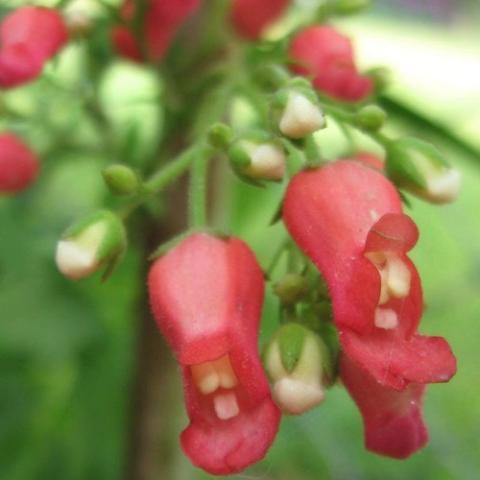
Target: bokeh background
{"x":69,"y":352}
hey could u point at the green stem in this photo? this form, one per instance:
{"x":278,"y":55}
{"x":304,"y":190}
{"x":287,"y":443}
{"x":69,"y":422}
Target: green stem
{"x":342,"y":116}
{"x":162,"y":178}
{"x":198,"y":188}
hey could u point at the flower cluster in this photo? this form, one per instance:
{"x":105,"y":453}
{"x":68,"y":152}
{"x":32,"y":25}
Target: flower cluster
{"x":350,"y":299}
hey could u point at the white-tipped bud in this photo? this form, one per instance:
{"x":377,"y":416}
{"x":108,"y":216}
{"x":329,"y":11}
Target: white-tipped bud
{"x":301,"y":116}
{"x":95,"y":241}
{"x":267,"y":162}
{"x":420,"y":168}
{"x":258,"y":160}
{"x":298,"y":366}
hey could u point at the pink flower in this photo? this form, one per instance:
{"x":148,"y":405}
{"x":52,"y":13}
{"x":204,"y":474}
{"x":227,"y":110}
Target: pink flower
{"x":347,"y":217}
{"x":19,"y":166}
{"x":251,"y":17}
{"x":29,"y":38}
{"x":161,"y":23}
{"x":206,"y":295}
{"x":327,"y":56}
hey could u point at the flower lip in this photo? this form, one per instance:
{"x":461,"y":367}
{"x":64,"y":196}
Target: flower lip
{"x":393,"y":232}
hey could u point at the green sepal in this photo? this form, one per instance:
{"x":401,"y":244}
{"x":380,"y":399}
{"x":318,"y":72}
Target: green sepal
{"x":121,"y":180}
{"x":291,"y":338}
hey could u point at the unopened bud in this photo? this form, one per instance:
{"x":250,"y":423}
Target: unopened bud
{"x":371,"y":117}
{"x":220,"y":136}
{"x":297,"y":363}
{"x":291,"y":288}
{"x":420,"y":168}
{"x":120,"y":179}
{"x":296,"y":111}
{"x":350,"y":7}
{"x":258,"y":160}
{"x":96,"y":241}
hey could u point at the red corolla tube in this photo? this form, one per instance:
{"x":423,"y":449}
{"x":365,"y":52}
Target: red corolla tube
{"x":206,"y":295}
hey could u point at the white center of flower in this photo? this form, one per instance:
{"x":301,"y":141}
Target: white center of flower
{"x":395,"y":276}
{"x":211,"y":376}
{"x":301,"y":117}
{"x":226,"y":405}
{"x":386,"y":318}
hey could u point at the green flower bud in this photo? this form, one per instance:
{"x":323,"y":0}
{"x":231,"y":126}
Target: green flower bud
{"x":97,"y":240}
{"x":370,"y":117}
{"x":220,"y":136}
{"x":256,"y":158}
{"x":420,"y":168}
{"x":350,"y":7}
{"x":291,"y":288}
{"x":299,"y":367}
{"x":120,"y":179}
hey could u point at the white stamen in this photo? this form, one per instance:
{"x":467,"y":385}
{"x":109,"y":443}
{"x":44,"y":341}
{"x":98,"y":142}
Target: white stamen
{"x":384,"y":294}
{"x":210,"y":376}
{"x":398,"y":278}
{"x":226,"y":405}
{"x":205,"y":377}
{"x":301,"y":117}
{"x":225,"y":372}
{"x":386,"y":318}
{"x":296,"y":396}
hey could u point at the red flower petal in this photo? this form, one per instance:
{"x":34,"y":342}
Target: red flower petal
{"x":393,"y":420}
{"x":395,"y":361}
{"x":251,"y":17}
{"x":29,"y":37}
{"x":161,"y":23}
{"x":327,"y":56}
{"x":329,"y":212}
{"x":19,"y":165}
{"x":392,"y":233}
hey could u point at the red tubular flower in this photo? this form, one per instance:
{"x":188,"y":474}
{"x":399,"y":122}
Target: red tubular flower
{"x":161,"y":22}
{"x":251,"y":17}
{"x":327,"y":56}
{"x":206,"y":295}
{"x":29,"y":37}
{"x":19,"y":166}
{"x":393,"y":420}
{"x":347,"y":217}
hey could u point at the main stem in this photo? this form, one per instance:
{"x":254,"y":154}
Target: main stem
{"x":156,"y":416}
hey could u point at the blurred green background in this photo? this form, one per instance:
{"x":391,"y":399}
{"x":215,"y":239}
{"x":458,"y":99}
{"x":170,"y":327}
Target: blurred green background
{"x":67,"y":350}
